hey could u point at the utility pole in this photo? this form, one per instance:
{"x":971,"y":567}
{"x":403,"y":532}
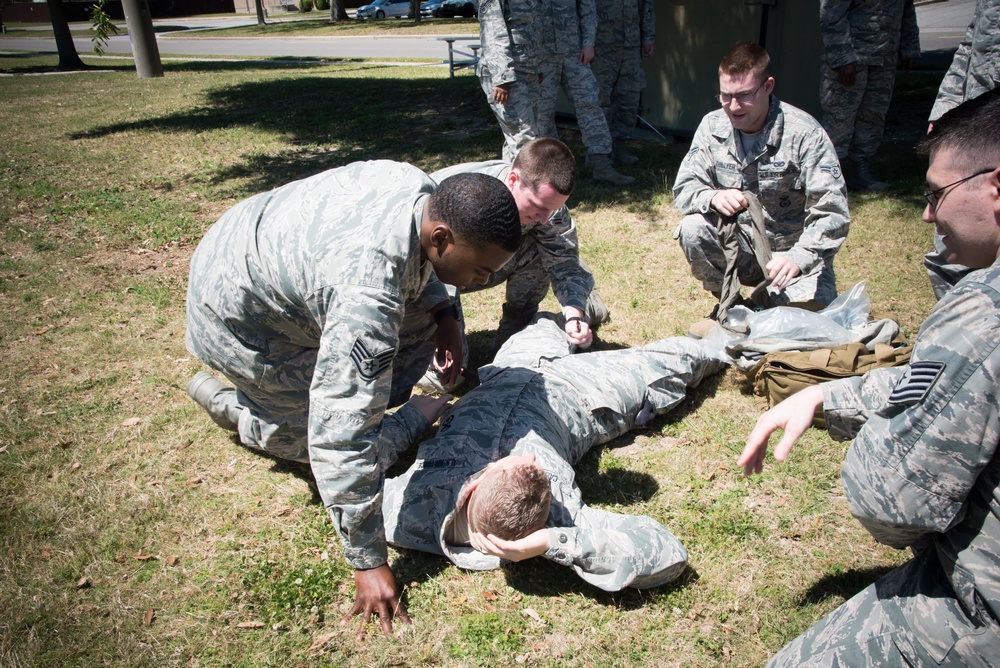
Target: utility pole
{"x":141,"y":36}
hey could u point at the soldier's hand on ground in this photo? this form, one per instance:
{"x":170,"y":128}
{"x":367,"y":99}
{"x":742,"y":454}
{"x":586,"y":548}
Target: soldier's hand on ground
{"x":376,"y":595}
{"x":781,"y":271}
{"x":586,"y":55}
{"x":431,"y":407}
{"x":729,"y":202}
{"x":501,"y":93}
{"x":578,"y":329}
{"x":847,"y":74}
{"x":532,"y":545}
{"x":794,"y":415}
{"x":449,"y":350}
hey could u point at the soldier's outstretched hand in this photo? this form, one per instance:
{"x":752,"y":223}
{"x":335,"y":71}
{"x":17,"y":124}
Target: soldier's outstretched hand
{"x":794,"y":415}
{"x":376,"y":595}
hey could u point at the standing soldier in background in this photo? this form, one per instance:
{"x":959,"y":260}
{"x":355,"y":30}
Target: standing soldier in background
{"x":625,"y":34}
{"x":569,"y":32}
{"x":509,"y":67}
{"x":974,"y":70}
{"x":863,"y":40}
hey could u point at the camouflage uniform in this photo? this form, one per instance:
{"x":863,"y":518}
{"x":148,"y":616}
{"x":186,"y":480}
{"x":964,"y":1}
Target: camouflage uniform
{"x":974,"y":70}
{"x":510,"y":33}
{"x":623,"y":28}
{"x":872,"y":34}
{"x":924,"y":472}
{"x":796,"y":176}
{"x":537,"y":399}
{"x":569,"y":25}
{"x":549,"y":254}
{"x":298,"y":296}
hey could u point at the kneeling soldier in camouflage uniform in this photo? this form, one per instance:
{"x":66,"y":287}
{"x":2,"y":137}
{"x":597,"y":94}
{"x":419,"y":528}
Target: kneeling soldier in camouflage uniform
{"x":923,"y":471}
{"x":761,"y":145}
{"x":301,"y":297}
{"x":541,"y":180}
{"x":497,"y":480}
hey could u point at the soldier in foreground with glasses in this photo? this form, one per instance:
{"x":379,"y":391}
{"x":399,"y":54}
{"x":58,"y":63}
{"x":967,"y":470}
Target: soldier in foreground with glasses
{"x":781,"y":154}
{"x":923,"y":471}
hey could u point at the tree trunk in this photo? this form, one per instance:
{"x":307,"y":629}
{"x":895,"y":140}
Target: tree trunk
{"x":261,"y":21}
{"x":337,"y":11}
{"x":69,"y":59}
{"x":415,"y":10}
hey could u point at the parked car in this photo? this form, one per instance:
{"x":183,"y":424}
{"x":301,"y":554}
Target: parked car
{"x":466,"y":8}
{"x":431,"y":8}
{"x":381,"y":9}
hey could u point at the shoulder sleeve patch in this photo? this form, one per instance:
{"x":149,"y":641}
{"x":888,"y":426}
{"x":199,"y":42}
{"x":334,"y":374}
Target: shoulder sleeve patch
{"x":368,"y":364}
{"x":916,"y":382}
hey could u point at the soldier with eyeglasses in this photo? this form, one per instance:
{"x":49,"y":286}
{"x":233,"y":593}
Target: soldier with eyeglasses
{"x":923,"y":470}
{"x":757,"y":144}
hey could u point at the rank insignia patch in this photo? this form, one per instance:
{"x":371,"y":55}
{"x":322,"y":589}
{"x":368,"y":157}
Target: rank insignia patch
{"x":916,"y":382}
{"x":369,"y":364}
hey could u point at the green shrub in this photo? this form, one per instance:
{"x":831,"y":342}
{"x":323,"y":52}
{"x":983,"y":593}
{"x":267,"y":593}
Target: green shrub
{"x":305,"y":5}
{"x":322,"y":5}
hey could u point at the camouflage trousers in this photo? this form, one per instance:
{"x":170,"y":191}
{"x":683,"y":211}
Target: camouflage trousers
{"x":909,"y":617}
{"x":855,"y":117}
{"x":518,"y":118}
{"x":943,"y":276}
{"x":580,"y":84}
{"x":621,"y":80}
{"x":275,"y":411}
{"x":699,"y":237}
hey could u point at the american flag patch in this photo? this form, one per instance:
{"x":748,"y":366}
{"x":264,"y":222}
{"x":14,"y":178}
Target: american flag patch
{"x":916,"y":382}
{"x":370,"y":365}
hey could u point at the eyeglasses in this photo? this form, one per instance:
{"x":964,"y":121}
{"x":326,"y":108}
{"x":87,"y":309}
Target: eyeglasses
{"x":745,"y":97}
{"x":934,"y":196}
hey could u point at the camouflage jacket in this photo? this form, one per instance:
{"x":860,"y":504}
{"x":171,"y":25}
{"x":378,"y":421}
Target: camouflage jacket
{"x":568,"y":25}
{"x":975,"y":69}
{"x":321,"y":270}
{"x":625,"y":23}
{"x":511,"y":35}
{"x":868,"y":32}
{"x":924,"y":470}
{"x":556,"y":409}
{"x":796,"y":175}
{"x":556,"y":239}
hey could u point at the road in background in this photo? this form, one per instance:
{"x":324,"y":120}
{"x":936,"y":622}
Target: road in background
{"x":942,"y":26}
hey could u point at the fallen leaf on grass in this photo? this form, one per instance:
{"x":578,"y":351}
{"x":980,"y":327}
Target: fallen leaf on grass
{"x":172,"y":559}
{"x":83,"y":583}
{"x":39,"y":332}
{"x":250,"y":625}
{"x":460,"y":601}
{"x":150,"y":616}
{"x":131,"y":422}
{"x":184,"y":445}
{"x":194,"y":482}
{"x":144,"y":557}
{"x":281,"y":512}
{"x":490,"y":596}
{"x":534,"y":615}
{"x":320,"y":641}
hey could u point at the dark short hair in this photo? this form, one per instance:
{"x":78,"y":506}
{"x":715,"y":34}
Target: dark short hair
{"x":479,"y":209}
{"x":971,"y":130}
{"x":546,"y":161}
{"x":746,"y":58}
{"x":511,"y":503}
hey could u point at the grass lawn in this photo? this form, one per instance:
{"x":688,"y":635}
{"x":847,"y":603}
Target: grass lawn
{"x":136,"y":533}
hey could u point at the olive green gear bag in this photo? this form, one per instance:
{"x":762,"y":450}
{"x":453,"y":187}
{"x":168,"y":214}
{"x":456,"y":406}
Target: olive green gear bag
{"x":779,"y":375}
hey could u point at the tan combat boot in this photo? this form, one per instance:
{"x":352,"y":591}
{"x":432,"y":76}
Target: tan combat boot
{"x":605,"y":172}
